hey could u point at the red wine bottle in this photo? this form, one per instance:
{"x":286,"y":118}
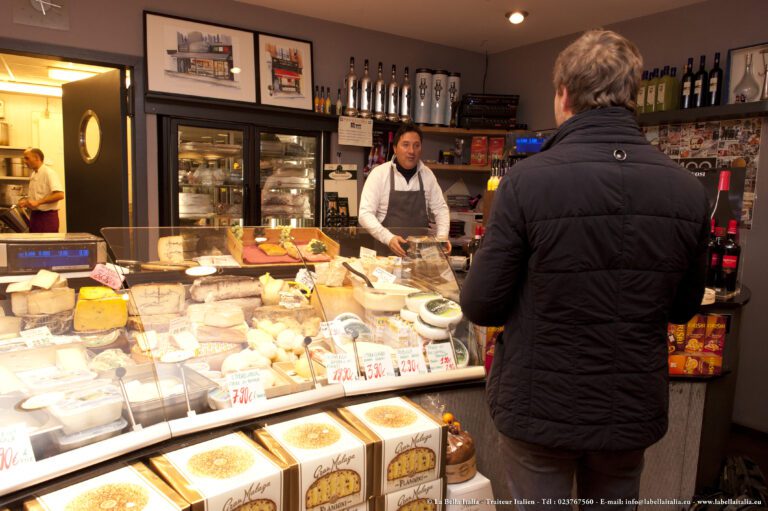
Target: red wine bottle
{"x":713,"y":259}
{"x":716,"y":262}
{"x":715,"y":83}
{"x":731,"y":256}
{"x":700,"y":81}
{"x":474,"y":245}
{"x":722,"y":212}
{"x":686,"y":85}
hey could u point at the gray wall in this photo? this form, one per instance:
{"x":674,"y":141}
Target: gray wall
{"x":670,"y":38}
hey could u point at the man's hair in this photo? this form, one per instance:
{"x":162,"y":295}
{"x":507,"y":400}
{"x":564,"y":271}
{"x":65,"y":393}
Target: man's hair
{"x":37,"y":152}
{"x":407,"y":128}
{"x":599,"y":69}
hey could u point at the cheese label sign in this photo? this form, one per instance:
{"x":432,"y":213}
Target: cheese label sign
{"x":410,"y":361}
{"x":37,"y":337}
{"x":107,"y":276}
{"x":377,"y":365}
{"x":340,"y":367}
{"x":245,"y":387}
{"x":15,"y":448}
{"x":179,"y":325}
{"x":367,"y":252}
{"x":440,"y":357}
{"x":306,"y":278}
{"x":383,"y":275}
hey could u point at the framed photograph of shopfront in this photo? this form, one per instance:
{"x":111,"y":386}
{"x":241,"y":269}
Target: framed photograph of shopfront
{"x":743,"y":87}
{"x":285,"y":72}
{"x":191,"y":58}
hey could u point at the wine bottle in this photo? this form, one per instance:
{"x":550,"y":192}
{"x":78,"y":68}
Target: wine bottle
{"x":365,"y":93}
{"x":650,"y":93}
{"x":328,"y":100}
{"x":673,"y":87}
{"x":713,"y":258}
{"x":686,"y":85}
{"x":317,"y":99}
{"x":339,"y":104}
{"x":350,"y":81}
{"x":641,"y":93}
{"x":722,"y":212}
{"x":731,"y":256}
{"x":661,"y":90}
{"x":700,"y":81}
{"x":321,"y":100}
{"x":474,"y":245}
{"x":715,"y":83}
{"x":716,"y":262}
{"x":393,"y":97}
{"x":379,"y":95}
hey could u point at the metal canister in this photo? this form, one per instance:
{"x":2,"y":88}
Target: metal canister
{"x":439,"y":97}
{"x":454,"y":96}
{"x":17,"y":167}
{"x":423,"y":90}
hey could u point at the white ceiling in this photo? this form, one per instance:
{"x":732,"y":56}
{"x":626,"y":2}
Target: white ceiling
{"x":34,"y":70}
{"x":475,"y":25}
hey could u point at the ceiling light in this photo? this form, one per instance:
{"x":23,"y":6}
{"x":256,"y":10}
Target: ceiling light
{"x":516,"y":17}
{"x":235,"y":70}
{"x":68,"y":75}
{"x":28,"y":88}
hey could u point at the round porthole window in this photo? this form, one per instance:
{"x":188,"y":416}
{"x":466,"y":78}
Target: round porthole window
{"x":90,"y":136}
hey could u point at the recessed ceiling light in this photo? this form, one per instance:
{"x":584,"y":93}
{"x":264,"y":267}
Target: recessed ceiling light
{"x":68,"y":75}
{"x":516,"y":17}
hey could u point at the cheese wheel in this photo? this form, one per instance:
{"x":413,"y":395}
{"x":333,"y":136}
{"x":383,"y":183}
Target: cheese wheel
{"x":441,"y":312}
{"x":224,"y":316}
{"x":430,"y":332}
{"x":414,"y":301}
{"x":409,"y":315}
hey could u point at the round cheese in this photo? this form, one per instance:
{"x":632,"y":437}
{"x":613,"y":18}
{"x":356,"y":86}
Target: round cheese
{"x":430,"y":332}
{"x":441,"y":312}
{"x":414,"y":301}
{"x":409,"y":315}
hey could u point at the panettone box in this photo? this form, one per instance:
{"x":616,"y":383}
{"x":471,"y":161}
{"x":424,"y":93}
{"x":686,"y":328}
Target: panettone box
{"x":422,"y":497}
{"x":335,"y":461}
{"x":409,"y":442}
{"x":134,"y":487}
{"x":227,"y":473}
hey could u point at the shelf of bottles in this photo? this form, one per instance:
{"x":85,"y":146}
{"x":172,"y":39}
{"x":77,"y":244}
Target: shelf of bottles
{"x":210,"y":174}
{"x":288,"y":180}
{"x":723,"y":249}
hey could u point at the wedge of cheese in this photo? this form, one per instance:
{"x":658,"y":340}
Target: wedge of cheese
{"x":171,"y":248}
{"x":99,"y":308}
{"x":151,"y":299}
{"x":9,"y":327}
{"x":49,"y":301}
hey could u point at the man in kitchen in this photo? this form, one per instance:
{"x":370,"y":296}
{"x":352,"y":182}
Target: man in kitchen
{"x":45,"y":192}
{"x":399,"y":195}
{"x":593,"y":246}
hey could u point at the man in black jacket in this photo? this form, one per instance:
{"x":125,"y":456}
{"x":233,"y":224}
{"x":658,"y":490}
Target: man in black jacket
{"x":592,"y":247}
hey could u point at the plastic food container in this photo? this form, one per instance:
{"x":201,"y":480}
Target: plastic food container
{"x":388,"y":298}
{"x":89,"y":436}
{"x":88,"y":408}
{"x":47,"y":379}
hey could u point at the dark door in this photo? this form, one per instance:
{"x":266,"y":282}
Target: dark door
{"x":94,"y":112}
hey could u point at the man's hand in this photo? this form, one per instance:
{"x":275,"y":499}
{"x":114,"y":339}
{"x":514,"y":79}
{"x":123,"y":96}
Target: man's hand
{"x":24,"y":203}
{"x":447,"y":247}
{"x":395,"y":245}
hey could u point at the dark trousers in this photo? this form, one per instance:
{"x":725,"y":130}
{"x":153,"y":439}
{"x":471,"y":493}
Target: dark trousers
{"x":44,"y":221}
{"x":545,"y":476}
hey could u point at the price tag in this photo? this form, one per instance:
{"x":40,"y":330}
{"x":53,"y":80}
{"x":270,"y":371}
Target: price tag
{"x":411,"y":361}
{"x":179,"y":325}
{"x":367,"y":252}
{"x":430,"y":252}
{"x":440,"y":357}
{"x":377,"y":364}
{"x":331,"y":329}
{"x":290,"y":300}
{"x":306,"y":278}
{"x":245,"y":387}
{"x":107,"y":276}
{"x":37,"y":337}
{"x":340,"y":367}
{"x":383,"y":275}
{"x":15,"y":448}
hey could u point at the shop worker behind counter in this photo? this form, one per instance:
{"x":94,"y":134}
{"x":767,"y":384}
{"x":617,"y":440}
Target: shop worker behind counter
{"x":592,"y":246}
{"x":399,"y":195}
{"x":45,"y":192}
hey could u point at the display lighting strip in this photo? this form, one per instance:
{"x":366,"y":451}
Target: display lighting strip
{"x":30,"y":88}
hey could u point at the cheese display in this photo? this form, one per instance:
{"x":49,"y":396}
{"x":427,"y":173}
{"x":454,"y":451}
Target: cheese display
{"x":88,"y":408}
{"x":156,"y":322}
{"x":412,"y":442}
{"x":441,"y":312}
{"x":230,"y":472}
{"x":9,"y":327}
{"x":150,"y":299}
{"x":209,"y":289}
{"x":414,"y":301}
{"x":224,"y":316}
{"x":332,"y":457}
{"x":99,"y":308}
{"x":430,"y":332}
{"x":171,"y":249}
{"x":132,"y":488}
{"x":49,"y":301}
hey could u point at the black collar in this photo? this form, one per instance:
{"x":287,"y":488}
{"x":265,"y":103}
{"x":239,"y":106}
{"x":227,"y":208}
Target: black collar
{"x":615,"y":123}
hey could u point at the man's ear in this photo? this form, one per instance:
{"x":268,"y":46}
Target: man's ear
{"x":565,"y":104}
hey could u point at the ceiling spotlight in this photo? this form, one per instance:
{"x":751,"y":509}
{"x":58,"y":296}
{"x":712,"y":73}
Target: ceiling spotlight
{"x":516,"y":17}
{"x":235,"y":70}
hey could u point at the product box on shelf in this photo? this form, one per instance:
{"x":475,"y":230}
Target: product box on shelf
{"x":334,"y":460}
{"x":409,"y":443}
{"x":496,"y":147}
{"x":229,"y":472}
{"x":131,"y":487}
{"x":479,"y":151}
{"x":696,"y":349}
{"x":427,"y":496}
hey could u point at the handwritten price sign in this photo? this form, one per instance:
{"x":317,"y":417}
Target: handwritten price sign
{"x":377,"y":365}
{"x":107,"y":276}
{"x":245,"y":387}
{"x":410,"y":361}
{"x":340,"y":367}
{"x":37,"y":337}
{"x":15,"y":448}
{"x":440,"y":357}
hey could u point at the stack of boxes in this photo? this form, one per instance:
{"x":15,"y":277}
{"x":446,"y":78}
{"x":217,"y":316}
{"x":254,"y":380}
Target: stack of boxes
{"x":696,"y":349}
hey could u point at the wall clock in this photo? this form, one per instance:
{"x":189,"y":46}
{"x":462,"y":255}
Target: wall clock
{"x":42,"y":13}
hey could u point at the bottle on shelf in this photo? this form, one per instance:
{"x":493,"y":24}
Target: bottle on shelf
{"x":350,"y":83}
{"x":722,"y":212}
{"x":715,"y":83}
{"x":713,"y":259}
{"x":700,"y":81}
{"x":365,"y":93}
{"x":731,"y":257}
{"x":667,"y":93}
{"x":328,"y":100}
{"x":339,"y":104}
{"x":661,"y":90}
{"x":317,"y":99}
{"x":675,"y":85}
{"x":747,"y":89}
{"x":650,"y":93}
{"x":474,"y":245}
{"x":393,"y":97}
{"x":686,"y":85}
{"x":321,"y":100}
{"x":379,"y":95}
{"x":405,"y":98}
{"x":641,"y":93}
{"x":716,"y":261}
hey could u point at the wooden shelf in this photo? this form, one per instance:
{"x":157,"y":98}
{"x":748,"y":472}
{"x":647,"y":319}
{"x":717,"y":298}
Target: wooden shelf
{"x":440,"y":130}
{"x":708,"y":113}
{"x":460,"y":168}
{"x":14,"y":178}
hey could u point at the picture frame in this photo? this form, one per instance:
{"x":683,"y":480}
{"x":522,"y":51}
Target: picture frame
{"x":286,"y":77}
{"x":737,"y":65}
{"x":191,"y":58}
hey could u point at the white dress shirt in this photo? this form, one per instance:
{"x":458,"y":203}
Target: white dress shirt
{"x":374,"y":201}
{"x":42,"y":183}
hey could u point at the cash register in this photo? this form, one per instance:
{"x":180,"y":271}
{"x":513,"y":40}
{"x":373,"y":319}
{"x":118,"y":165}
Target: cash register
{"x":71,"y":254}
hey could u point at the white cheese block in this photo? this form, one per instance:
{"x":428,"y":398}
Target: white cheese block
{"x":49,"y":301}
{"x":408,"y":315}
{"x":430,"y":332}
{"x":171,"y":248}
{"x":211,"y":289}
{"x":224,"y":316}
{"x":71,"y":359}
{"x":9,"y":326}
{"x":151,"y":299}
{"x":414,"y":301}
{"x":45,"y":279}
{"x":186,"y":341}
{"x":441,"y":312}
{"x":196,"y":311}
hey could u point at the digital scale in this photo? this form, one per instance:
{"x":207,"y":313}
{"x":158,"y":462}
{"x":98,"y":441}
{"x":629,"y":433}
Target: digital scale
{"x":25,"y":254}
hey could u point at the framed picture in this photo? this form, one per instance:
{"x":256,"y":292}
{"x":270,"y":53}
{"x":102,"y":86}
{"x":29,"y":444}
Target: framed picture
{"x":191,"y":58}
{"x":285,"y":72}
{"x":738,"y":82}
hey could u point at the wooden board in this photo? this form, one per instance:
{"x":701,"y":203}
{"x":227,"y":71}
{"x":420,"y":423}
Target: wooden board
{"x":301,"y":236}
